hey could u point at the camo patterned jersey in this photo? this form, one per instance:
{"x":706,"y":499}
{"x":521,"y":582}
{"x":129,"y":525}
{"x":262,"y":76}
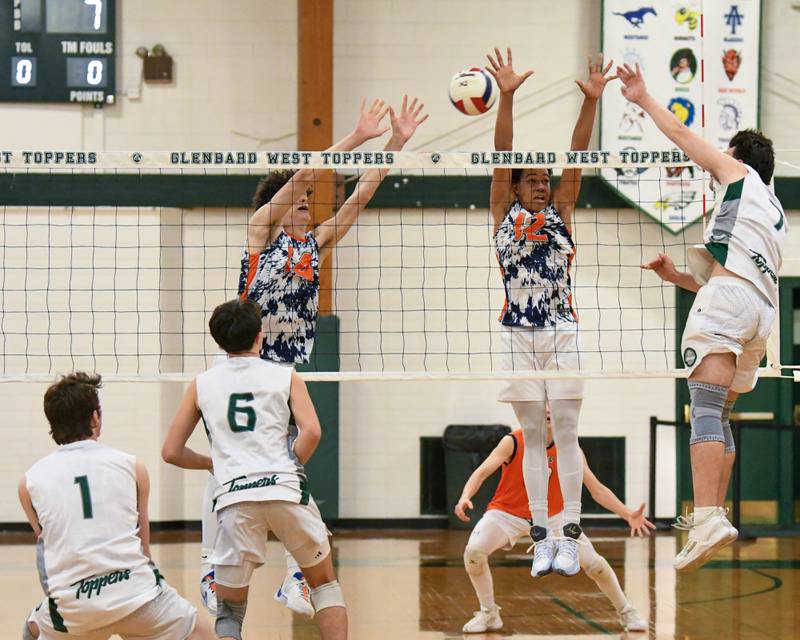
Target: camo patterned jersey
{"x":284,"y":280}
{"x":535,"y":252}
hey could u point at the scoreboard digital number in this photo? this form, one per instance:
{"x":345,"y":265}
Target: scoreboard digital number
{"x":57,"y":51}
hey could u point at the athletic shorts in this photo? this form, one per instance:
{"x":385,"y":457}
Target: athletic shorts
{"x":541,"y":349}
{"x":516,"y":529}
{"x":166,"y":617}
{"x":241,"y":542}
{"x":729,"y":315}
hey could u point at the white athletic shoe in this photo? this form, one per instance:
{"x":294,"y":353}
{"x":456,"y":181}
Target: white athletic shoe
{"x":566,"y":562}
{"x":705,"y":538}
{"x":543,"y":553}
{"x":484,"y":620}
{"x":630,"y":619}
{"x":208,"y":592}
{"x":295,"y":594}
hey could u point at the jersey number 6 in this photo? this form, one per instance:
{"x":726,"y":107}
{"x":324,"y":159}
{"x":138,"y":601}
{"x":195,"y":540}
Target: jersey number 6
{"x":236,"y":406}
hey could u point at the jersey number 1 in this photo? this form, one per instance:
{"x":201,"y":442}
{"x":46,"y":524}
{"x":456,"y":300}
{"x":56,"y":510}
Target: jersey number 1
{"x":234,"y":408}
{"x":86,"y":496}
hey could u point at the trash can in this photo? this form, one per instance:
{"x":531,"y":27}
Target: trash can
{"x":466,"y":446}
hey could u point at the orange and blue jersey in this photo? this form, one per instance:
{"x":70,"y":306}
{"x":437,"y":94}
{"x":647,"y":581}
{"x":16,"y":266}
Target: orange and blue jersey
{"x":511,"y":496}
{"x":284,"y":281}
{"x":535,"y":252}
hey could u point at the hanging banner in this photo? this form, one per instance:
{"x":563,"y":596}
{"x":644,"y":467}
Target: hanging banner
{"x":664,"y":38}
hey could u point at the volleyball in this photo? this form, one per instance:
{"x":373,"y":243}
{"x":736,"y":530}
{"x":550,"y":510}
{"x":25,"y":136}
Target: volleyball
{"x":472,"y":91}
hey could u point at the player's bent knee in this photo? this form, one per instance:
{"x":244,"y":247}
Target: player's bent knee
{"x":597,"y":567}
{"x":475,"y":561}
{"x":230,"y":616}
{"x":708,"y":402}
{"x":327,"y":595}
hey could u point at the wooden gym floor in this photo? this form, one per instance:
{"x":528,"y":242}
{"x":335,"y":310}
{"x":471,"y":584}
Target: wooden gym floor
{"x":412,"y":584}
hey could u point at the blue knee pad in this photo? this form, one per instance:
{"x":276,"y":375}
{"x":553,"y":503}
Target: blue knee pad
{"x":708,"y":403}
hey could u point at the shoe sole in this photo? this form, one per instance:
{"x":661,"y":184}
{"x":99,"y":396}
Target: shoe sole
{"x":709,"y":552}
{"x":565,"y":574}
{"x":541,"y":574}
{"x":486,"y":630}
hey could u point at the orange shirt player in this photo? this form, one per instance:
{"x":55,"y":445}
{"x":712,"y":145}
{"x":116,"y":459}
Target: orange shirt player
{"x":507,"y":521}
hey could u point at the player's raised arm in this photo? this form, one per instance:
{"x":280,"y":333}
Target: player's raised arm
{"x":566,"y":193}
{"x":260,"y":230}
{"x":310,"y":431}
{"x":723,"y":167}
{"x":175,"y":450}
{"x":403,"y":124}
{"x":508,"y":81}
{"x":603,"y":496}
{"x":502,"y":453}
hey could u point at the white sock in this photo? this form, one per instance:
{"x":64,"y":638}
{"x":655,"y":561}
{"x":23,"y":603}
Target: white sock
{"x":564,"y":416}
{"x":291,"y":564}
{"x":701,"y":513}
{"x":531,"y":416}
{"x":606,"y":580}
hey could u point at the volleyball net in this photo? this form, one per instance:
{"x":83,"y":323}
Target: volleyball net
{"x":113,"y":262}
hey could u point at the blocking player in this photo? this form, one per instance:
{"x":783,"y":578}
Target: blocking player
{"x":533,"y":238}
{"x":87,"y":503}
{"x":735,"y":275}
{"x":245,"y":406}
{"x":280,"y":271}
{"x":507,"y":521}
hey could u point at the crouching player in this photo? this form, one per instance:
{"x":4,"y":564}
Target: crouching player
{"x":507,"y":521}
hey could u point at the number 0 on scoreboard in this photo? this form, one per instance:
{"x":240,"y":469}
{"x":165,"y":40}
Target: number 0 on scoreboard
{"x":57,"y":51}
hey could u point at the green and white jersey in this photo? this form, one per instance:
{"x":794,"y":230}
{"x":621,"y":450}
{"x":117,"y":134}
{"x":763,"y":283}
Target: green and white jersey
{"x":245,"y":406}
{"x":745,"y":235}
{"x":89,"y":554}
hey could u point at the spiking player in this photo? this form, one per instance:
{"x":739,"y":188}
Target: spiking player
{"x":245,"y":406}
{"x":87,"y":503}
{"x":507,"y":521}
{"x":280,"y":271}
{"x":735,"y":275}
{"x":533,"y":238}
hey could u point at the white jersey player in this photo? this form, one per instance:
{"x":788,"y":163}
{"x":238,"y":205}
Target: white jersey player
{"x":244,"y":403}
{"x":735,"y":275}
{"x":87,"y":503}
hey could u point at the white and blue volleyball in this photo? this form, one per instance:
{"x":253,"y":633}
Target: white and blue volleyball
{"x":472,"y":91}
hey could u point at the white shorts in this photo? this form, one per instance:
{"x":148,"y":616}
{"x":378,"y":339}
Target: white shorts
{"x":241,"y":542}
{"x":166,"y":617}
{"x":729,"y":315}
{"x":541,"y":349}
{"x":515,"y":529}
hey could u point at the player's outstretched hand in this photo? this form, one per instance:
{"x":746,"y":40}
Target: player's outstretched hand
{"x":633,"y":86}
{"x":596,"y":82}
{"x":639,"y":524}
{"x":405,"y":123}
{"x":663,"y":266}
{"x":461,"y":507}
{"x":508,"y":80}
{"x":369,"y":121}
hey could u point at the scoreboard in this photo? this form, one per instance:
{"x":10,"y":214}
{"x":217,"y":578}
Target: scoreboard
{"x":57,"y":51}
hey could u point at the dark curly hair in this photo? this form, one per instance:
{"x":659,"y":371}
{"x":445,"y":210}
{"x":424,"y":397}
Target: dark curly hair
{"x":69,"y":405}
{"x":754,"y":149}
{"x":516,"y":175}
{"x":269,"y":185}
